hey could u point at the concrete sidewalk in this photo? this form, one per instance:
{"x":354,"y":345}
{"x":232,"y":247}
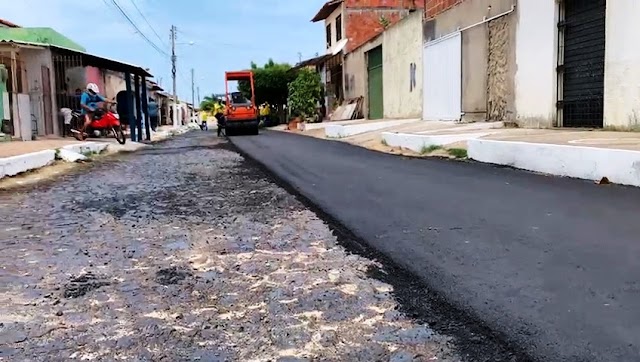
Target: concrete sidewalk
{"x":17,"y":157}
{"x":584,"y":154}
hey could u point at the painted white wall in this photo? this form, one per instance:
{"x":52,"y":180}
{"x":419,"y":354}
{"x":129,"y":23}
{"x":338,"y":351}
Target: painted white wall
{"x":113,"y":83}
{"x":442,"y":59}
{"x":536,"y":51}
{"x":622,"y":64}
{"x":402,"y":47}
{"x":34,"y":59}
{"x":323,"y":80}
{"x":331,"y":20}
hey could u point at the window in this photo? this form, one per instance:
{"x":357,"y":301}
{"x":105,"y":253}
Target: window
{"x":329,"y":36}
{"x":339,"y":28}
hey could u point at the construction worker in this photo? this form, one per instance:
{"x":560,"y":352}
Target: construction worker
{"x":219,"y":111}
{"x":265,"y":113}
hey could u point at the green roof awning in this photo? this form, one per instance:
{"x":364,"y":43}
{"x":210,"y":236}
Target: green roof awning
{"x":40,"y":36}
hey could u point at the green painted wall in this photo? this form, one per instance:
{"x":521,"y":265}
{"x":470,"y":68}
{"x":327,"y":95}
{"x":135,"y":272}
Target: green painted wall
{"x":375,"y":83}
{"x":39,"y":35}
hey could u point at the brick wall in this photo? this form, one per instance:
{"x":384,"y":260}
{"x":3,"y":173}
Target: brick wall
{"x":363,"y":17}
{"x":384,"y":3}
{"x":435,"y":7}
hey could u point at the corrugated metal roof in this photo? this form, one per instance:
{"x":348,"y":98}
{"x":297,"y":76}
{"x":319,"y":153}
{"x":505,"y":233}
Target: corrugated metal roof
{"x":312,"y":61}
{"x":23,"y":43}
{"x":92,"y":59}
{"x":326,"y":10}
{"x":8,"y":24}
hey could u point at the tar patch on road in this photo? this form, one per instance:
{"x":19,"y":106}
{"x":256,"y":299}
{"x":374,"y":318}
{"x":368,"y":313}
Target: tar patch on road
{"x":172,"y":275}
{"x":82,"y":285}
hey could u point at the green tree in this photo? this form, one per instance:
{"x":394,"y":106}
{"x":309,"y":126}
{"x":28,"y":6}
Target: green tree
{"x":304,"y":93}
{"x":270,"y":81}
{"x":208,"y":103}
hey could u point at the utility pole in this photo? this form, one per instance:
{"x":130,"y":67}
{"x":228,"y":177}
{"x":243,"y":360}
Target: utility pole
{"x":198,"y":90}
{"x":193,"y":93}
{"x":173,"y":74}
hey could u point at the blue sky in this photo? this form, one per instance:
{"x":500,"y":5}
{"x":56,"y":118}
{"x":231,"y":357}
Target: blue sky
{"x":228,"y":34}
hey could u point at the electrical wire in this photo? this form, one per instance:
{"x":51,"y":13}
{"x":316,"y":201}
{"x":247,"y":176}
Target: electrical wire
{"x":148,"y":23}
{"x":124,"y":13}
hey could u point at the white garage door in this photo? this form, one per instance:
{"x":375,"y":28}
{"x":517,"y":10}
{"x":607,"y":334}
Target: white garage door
{"x":442,"y":88}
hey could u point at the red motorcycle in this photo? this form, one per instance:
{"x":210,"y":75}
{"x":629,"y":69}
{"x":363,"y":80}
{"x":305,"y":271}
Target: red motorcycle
{"x":104,"y":122}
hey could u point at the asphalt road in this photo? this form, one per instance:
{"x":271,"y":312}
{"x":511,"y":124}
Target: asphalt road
{"x":551,"y":263}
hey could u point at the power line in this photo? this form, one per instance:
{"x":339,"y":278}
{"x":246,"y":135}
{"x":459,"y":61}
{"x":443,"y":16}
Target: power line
{"x":119,"y":8}
{"x":147,"y":21}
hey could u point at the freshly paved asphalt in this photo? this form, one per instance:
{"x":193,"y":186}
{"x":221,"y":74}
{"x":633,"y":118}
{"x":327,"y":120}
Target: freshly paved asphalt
{"x":552,"y":263}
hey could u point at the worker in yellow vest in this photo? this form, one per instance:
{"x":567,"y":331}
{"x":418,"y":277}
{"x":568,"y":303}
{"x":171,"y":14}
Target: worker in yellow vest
{"x":265,"y":113}
{"x":219,"y":110}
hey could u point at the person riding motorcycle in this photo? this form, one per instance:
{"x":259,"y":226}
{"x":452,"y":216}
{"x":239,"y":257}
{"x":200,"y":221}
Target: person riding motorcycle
{"x":90,"y":102}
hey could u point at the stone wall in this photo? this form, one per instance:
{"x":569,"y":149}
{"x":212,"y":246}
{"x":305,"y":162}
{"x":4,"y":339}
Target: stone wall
{"x":497,"y":70}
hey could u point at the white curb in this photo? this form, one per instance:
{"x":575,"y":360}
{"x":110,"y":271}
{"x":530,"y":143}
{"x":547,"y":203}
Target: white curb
{"x":341,"y":131}
{"x":417,"y":142}
{"x":11,"y":166}
{"x":589,"y":163}
{"x":14,"y":165}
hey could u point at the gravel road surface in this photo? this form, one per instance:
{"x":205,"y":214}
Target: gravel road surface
{"x":187,"y":251}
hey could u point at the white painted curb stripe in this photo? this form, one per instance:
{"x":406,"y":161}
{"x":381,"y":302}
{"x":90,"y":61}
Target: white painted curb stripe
{"x":11,"y":166}
{"x":416,"y":142}
{"x":589,"y":163}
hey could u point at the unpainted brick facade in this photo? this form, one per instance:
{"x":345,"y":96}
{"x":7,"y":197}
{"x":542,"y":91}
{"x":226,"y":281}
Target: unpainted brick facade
{"x":367,"y":18}
{"x":435,"y":7}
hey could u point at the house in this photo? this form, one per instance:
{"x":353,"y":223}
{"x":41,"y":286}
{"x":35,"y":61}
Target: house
{"x":352,"y":29}
{"x":387,"y":71}
{"x":44,"y":69}
{"x":533,"y":63}
{"x":586,"y":74}
{"x":468,"y":60}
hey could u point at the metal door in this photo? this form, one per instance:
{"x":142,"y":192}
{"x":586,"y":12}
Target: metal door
{"x":46,"y":100}
{"x":442,"y":85}
{"x":375,"y":84}
{"x":581,"y":63}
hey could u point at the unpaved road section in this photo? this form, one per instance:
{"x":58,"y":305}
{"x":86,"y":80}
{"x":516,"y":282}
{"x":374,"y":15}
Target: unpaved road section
{"x":186,"y":251}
